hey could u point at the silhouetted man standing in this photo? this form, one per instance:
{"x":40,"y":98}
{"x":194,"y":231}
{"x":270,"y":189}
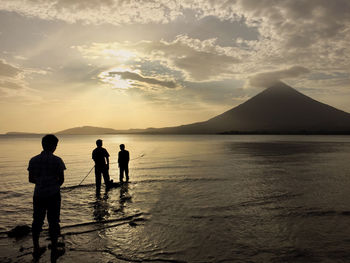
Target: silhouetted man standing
{"x":101,"y":158}
{"x":46,"y":171}
{"x":123,"y":162}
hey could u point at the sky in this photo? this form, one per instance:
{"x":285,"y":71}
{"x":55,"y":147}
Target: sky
{"x":137,"y":64}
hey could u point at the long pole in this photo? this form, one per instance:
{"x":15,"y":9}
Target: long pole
{"x":86,"y":175}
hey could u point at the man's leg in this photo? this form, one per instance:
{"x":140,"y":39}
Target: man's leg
{"x":53,"y":217}
{"x":106,"y":177}
{"x":127,"y":173}
{"x":98,"y":180}
{"x":39,"y":212}
{"x":121,"y":170}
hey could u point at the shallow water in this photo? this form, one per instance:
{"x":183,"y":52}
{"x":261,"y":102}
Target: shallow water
{"x":197,"y":198}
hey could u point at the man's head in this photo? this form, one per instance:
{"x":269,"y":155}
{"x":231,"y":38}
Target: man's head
{"x":49,"y":142}
{"x":122,"y":147}
{"x":99,"y":143}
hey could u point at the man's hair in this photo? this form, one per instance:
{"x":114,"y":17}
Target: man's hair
{"x":99,"y":142}
{"x":49,"y":142}
{"x":122,"y":146}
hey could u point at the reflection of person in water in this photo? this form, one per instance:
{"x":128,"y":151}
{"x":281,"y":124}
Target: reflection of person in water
{"x":46,"y":171}
{"x":123,"y":162}
{"x":101,"y":208}
{"x":124,"y":196}
{"x":101,"y":158}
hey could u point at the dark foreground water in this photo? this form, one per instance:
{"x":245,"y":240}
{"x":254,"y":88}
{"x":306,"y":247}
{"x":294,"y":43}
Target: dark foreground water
{"x":191,"y":199}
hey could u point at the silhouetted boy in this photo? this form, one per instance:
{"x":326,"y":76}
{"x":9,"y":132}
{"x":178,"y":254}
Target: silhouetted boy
{"x":123,"y":162}
{"x":46,"y":171}
{"x":101,"y":158}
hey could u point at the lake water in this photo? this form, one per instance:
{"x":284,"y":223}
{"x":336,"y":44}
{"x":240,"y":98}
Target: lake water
{"x":198,"y":198}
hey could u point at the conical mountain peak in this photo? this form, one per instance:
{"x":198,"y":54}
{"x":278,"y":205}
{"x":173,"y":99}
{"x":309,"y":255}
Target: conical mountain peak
{"x":280,"y":108}
{"x":278,"y":91}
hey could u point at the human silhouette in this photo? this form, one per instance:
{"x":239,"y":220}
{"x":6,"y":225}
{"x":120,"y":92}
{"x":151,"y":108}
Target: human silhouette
{"x":46,"y":171}
{"x":123,"y":162}
{"x":101,"y":158}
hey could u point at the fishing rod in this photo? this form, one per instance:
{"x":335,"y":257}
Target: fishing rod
{"x":75,"y":186}
{"x":86,"y":176}
{"x":142,"y":155}
{"x":132,"y":158}
{"x":138,"y":157}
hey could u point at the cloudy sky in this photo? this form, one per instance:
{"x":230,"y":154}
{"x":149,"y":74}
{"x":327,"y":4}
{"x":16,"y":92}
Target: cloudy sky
{"x":137,"y":64}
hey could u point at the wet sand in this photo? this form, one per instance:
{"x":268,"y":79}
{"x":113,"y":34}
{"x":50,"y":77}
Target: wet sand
{"x":83,"y":242}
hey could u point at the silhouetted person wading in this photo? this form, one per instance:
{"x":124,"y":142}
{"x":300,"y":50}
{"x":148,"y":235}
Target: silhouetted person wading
{"x":101,"y":158}
{"x":46,"y":171}
{"x":123,"y":162}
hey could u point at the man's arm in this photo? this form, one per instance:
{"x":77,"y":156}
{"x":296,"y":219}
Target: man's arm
{"x":60,"y":172}
{"x":107,"y":158}
{"x":31,"y":177}
{"x":61,"y":177}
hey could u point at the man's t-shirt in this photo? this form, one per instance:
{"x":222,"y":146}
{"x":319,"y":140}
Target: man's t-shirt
{"x":99,"y":155}
{"x":123,"y":158}
{"x":46,"y":167}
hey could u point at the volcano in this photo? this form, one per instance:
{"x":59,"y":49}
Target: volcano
{"x":277,"y":109}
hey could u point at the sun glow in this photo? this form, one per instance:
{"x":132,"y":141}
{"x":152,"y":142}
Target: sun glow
{"x":121,"y":55}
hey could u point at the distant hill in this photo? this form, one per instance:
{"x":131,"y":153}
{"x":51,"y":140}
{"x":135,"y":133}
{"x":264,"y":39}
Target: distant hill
{"x":86,"y":130}
{"x":21,"y":133}
{"x":91,"y":130}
